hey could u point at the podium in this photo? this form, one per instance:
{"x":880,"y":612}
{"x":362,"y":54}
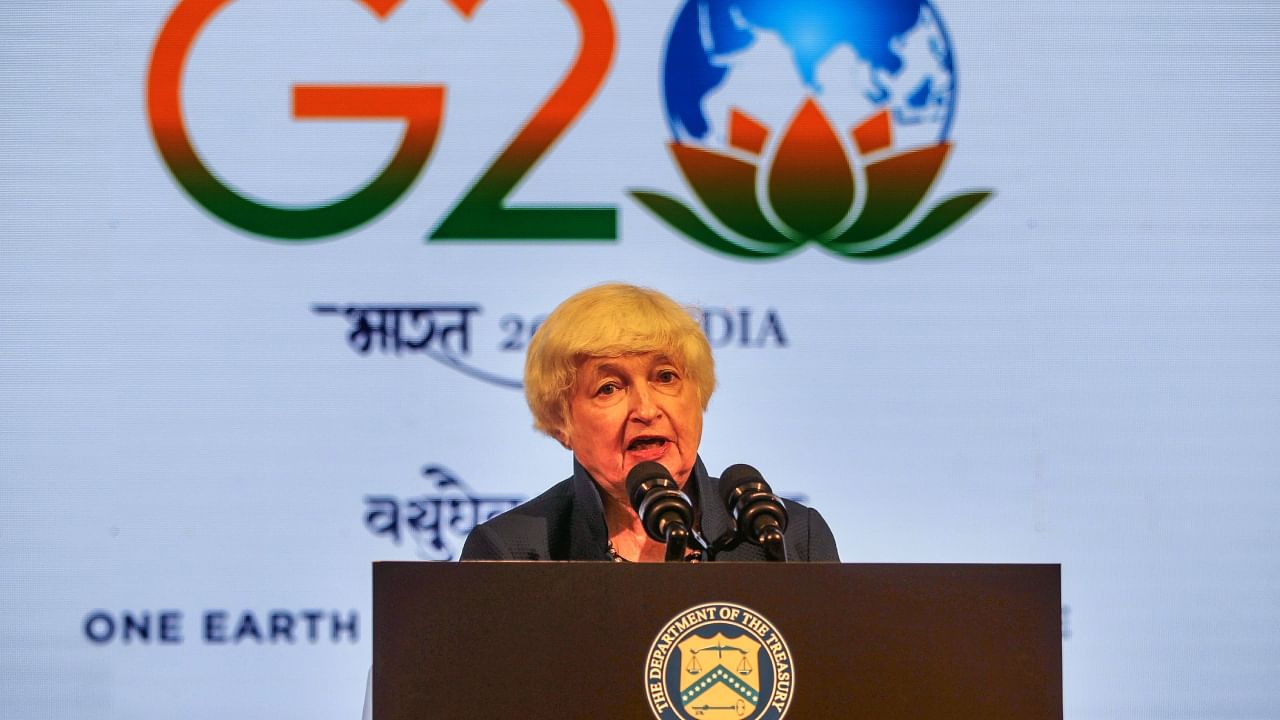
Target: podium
{"x":715,"y":641}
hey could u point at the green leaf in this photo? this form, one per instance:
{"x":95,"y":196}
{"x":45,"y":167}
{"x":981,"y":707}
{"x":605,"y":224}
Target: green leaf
{"x":938,"y":220}
{"x":679,"y":216}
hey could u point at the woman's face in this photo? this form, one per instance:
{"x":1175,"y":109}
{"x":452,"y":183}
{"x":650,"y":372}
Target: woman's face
{"x":629,"y":409}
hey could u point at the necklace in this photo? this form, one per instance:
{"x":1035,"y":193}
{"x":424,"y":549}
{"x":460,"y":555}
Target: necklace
{"x":614,"y":556}
{"x":692,"y":555}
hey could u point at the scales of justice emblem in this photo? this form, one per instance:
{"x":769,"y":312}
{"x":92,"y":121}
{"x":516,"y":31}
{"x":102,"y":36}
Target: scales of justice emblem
{"x":718,"y":676}
{"x":719,"y":661}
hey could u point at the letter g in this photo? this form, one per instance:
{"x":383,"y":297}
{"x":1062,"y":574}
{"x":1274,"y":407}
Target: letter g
{"x":420,"y":106}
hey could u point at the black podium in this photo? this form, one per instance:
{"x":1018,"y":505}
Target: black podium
{"x":716,"y":641}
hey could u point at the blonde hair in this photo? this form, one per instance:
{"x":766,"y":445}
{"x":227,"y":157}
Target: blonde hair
{"x":610,"y":320}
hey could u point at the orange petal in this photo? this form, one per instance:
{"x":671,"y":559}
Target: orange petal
{"x":811,"y":183}
{"x":876,"y":133}
{"x":746,"y":133}
{"x":727,"y":187}
{"x":894,"y":187}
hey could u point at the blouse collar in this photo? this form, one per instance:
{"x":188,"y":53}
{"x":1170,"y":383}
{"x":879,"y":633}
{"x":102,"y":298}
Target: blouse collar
{"x":589,"y":537}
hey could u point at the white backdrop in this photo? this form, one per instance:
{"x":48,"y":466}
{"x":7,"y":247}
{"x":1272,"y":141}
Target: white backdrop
{"x":1083,"y":371}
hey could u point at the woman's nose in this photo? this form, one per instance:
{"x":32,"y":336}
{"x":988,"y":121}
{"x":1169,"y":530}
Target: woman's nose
{"x":644,"y":405}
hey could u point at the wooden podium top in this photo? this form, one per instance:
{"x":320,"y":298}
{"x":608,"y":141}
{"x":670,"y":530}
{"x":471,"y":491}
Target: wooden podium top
{"x":614,"y":640}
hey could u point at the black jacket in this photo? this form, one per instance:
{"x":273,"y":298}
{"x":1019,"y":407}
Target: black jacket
{"x":567,"y":523}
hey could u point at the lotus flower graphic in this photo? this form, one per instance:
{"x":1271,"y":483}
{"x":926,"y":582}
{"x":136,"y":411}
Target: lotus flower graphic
{"x":777,"y":196}
{"x":751,"y":88}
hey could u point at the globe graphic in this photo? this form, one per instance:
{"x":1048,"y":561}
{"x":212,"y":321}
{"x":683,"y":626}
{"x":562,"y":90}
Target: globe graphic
{"x":764,"y":57}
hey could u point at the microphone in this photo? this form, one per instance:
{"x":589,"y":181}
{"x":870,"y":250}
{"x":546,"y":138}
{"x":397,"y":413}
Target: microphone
{"x":760,"y":516}
{"x":664,"y":510}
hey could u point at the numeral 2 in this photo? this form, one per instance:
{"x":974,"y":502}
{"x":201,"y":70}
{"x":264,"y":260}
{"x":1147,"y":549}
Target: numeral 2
{"x":482,"y":213}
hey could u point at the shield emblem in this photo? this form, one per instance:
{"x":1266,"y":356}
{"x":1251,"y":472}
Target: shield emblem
{"x":719,"y":677}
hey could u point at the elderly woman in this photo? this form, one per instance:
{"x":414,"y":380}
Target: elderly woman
{"x":621,"y":375}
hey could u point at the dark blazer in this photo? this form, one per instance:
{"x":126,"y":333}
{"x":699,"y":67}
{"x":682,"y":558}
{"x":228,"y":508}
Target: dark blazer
{"x":567,"y":523}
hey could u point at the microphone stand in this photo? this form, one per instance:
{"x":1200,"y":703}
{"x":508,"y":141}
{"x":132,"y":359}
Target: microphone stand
{"x":774,"y":544}
{"x":677,"y":542}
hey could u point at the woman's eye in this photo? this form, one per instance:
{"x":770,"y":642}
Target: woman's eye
{"x":667,"y":376}
{"x":607,"y":389}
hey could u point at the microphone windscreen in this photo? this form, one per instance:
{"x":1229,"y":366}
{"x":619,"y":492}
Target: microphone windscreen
{"x":641,"y":474}
{"x":734,"y":477}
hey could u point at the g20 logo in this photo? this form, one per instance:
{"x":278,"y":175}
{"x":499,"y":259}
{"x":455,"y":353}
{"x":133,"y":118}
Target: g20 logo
{"x":756,"y":95}
{"x":481,"y":214}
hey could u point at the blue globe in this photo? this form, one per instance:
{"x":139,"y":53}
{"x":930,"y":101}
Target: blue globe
{"x":763,"y":57}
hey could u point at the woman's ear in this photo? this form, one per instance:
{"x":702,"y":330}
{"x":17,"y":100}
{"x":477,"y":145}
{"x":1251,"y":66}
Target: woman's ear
{"x":564,"y":434}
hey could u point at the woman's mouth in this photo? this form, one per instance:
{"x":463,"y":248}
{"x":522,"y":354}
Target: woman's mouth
{"x":647,"y":447}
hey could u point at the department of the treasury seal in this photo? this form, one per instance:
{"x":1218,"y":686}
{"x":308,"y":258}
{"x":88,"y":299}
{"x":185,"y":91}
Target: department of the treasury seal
{"x":719,"y":661}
